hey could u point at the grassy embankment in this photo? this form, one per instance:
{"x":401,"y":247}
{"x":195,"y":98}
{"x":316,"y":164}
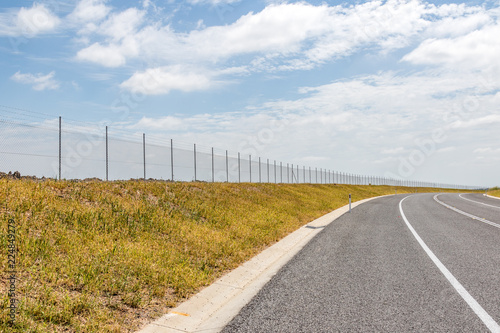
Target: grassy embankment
{"x":109,"y":257}
{"x":495,"y":191}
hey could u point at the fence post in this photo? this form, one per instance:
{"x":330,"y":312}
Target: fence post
{"x":213,"y":172}
{"x":195,"y":162}
{"x":275,"y":178}
{"x":268,"y":170}
{"x":239,"y":169}
{"x":172,"y":158}
{"x":107,"y":161}
{"x":250,"y":166}
{"x":260,"y":179}
{"x":287,"y":174}
{"x":144,"y":152}
{"x":227,"y":168}
{"x":281,"y":172}
{"x":60,"y":146}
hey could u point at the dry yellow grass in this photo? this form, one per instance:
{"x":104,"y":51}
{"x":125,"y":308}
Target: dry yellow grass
{"x":111,"y":256}
{"x":495,"y":191}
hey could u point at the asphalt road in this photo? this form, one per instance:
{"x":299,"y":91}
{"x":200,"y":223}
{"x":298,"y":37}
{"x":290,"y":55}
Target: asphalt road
{"x":368,"y":272}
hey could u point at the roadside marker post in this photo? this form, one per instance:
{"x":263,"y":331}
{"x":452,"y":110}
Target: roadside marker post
{"x":349,"y":203}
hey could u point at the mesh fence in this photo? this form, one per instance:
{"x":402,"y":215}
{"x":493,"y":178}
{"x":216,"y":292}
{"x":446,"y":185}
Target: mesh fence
{"x":43,"y":146}
{"x":31,"y":149}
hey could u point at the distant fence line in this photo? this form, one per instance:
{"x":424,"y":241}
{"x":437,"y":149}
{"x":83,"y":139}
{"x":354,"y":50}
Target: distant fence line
{"x":46,"y":148}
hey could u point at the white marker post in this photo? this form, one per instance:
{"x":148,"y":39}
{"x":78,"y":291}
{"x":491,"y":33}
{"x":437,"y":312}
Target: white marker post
{"x":349,"y":203}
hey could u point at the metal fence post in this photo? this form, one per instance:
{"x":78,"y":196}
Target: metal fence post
{"x":250,"y":166}
{"x":227,"y":168}
{"x":287,"y":174}
{"x":172,"y":158}
{"x":195,"y":162}
{"x":239,"y":169}
{"x":107,"y":161}
{"x":275,"y":178}
{"x":260,"y":179}
{"x":213,"y":172}
{"x":60,"y":146}
{"x":144,"y":152}
{"x":268,"y":170}
{"x":281,"y":172}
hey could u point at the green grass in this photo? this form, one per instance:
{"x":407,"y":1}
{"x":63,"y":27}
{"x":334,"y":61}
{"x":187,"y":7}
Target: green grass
{"x":112,"y":256}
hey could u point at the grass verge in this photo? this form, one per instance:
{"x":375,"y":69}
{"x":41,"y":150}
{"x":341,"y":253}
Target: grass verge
{"x":111,"y":256}
{"x":495,"y":191}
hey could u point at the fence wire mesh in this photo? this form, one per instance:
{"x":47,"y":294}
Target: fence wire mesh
{"x":41,"y":145}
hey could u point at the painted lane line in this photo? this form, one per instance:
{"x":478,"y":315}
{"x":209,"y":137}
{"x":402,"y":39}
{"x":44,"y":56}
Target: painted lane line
{"x":482,"y":203}
{"x":473,"y":304}
{"x":466,"y":214}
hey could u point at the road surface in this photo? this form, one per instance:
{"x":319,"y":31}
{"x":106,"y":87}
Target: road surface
{"x":424,"y":262}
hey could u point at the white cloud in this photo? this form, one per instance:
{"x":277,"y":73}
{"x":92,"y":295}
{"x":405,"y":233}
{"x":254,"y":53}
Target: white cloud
{"x":477,"y":49}
{"x":164,"y":123}
{"x":38,"y":81}
{"x":487,"y":150}
{"x":455,"y":26}
{"x":481,"y":121}
{"x":122,"y":24}
{"x":89,"y":11}
{"x":28,"y":22}
{"x":108,"y":56}
{"x":296,"y":36}
{"x":277,"y":28}
{"x":120,"y":29}
{"x":162,"y":80}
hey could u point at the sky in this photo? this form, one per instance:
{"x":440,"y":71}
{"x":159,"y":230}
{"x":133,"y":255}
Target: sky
{"x":404,"y":89}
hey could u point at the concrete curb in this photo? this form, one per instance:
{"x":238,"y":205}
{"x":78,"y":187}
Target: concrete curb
{"x":489,"y":196}
{"x":216,"y":305}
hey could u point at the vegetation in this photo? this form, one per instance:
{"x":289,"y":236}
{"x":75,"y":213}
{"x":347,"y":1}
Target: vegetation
{"x":111,"y":256}
{"x":495,"y":191}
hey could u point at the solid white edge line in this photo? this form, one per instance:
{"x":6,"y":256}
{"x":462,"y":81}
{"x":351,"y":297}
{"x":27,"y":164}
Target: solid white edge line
{"x":473,"y":304}
{"x":482,"y":203}
{"x":466,"y":214}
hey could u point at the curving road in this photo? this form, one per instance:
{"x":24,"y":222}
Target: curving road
{"x":424,"y":262}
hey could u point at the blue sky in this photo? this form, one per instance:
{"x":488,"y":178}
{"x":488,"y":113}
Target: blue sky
{"x":405,"y":88}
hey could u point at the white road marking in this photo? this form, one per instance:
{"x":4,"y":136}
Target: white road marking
{"x":473,"y":304}
{"x":482,"y":203}
{"x":466,"y":214}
